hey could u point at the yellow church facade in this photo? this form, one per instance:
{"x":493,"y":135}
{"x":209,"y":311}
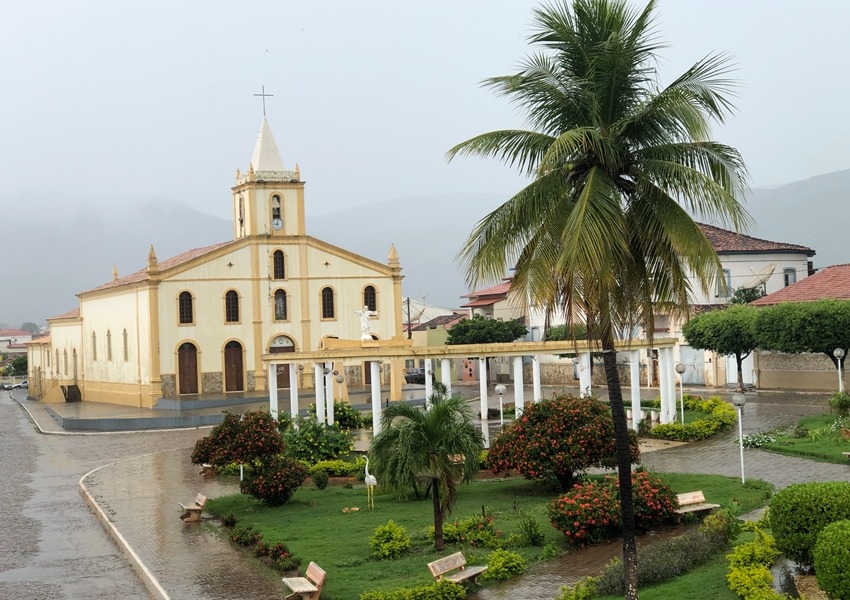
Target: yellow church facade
{"x":200,"y":322}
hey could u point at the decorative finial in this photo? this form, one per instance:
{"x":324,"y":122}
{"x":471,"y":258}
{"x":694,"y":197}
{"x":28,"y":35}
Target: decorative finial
{"x":297,"y":172}
{"x":153,"y":264}
{"x":238,"y":175}
{"x":392,"y":259}
{"x":115,"y":272}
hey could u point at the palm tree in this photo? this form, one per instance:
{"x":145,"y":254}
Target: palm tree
{"x":617,"y":164}
{"x":437,"y":446}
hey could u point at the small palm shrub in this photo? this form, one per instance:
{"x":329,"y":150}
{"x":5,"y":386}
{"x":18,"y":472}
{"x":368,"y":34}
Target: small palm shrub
{"x":840,"y":403}
{"x":799,"y":512}
{"x":475,"y":530}
{"x":583,"y":590}
{"x":831,"y":557}
{"x":275,"y":483}
{"x":530,"y":532}
{"x":390,"y":540}
{"x":245,"y":535}
{"x":504,"y":564}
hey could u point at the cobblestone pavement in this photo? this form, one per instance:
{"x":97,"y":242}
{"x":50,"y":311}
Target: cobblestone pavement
{"x":52,"y":546}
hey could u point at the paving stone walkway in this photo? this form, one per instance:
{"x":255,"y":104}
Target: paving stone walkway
{"x":52,"y":546}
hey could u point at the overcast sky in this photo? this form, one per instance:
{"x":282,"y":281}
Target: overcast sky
{"x":118,"y":101}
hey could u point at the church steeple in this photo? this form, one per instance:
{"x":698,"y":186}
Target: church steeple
{"x":268,"y":200}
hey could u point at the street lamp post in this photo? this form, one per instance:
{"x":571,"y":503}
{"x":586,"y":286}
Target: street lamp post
{"x":500,"y":391}
{"x":680,"y":369}
{"x":838,"y":353}
{"x":739,"y":400}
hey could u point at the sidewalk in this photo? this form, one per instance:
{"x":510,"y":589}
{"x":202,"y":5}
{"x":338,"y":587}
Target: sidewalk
{"x":137,"y":498}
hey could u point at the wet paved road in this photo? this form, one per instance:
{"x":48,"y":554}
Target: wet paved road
{"x":52,"y":547}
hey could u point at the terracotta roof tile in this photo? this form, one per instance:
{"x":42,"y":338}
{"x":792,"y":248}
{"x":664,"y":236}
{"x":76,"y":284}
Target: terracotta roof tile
{"x":729,"y":242}
{"x":14,"y":332}
{"x":71,"y":314}
{"x":480,"y":302}
{"x":829,"y":283}
{"x":169,"y":263}
{"x":445,"y":320}
{"x":497,"y":290}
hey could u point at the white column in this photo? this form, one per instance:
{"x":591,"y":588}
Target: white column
{"x":293,"y":390}
{"x":482,"y":385}
{"x":483,"y":405}
{"x":584,"y":374}
{"x":329,"y":392}
{"x":429,"y":386}
{"x":519,"y":391}
{"x":319,"y":383}
{"x":446,"y":374}
{"x":376,"y":397}
{"x":273,"y":390}
{"x":671,"y":384}
{"x":535,"y":378}
{"x":634,"y":371}
{"x":662,"y":384}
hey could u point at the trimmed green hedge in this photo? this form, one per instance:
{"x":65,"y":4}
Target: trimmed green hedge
{"x":799,"y":512}
{"x":832,"y":553}
{"x":441,"y":590}
{"x":720,"y":416}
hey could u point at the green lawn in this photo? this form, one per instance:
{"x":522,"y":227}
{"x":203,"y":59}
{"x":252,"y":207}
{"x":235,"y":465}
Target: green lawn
{"x":818,"y":445}
{"x":315,"y":527}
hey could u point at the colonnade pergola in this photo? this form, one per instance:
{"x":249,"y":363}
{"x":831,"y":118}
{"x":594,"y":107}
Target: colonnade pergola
{"x":379,"y":354}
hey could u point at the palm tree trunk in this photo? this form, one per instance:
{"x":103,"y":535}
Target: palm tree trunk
{"x":439,"y":544}
{"x":624,"y":466}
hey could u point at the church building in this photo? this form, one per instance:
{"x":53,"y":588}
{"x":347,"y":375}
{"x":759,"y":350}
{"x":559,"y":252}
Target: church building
{"x":199,"y":323}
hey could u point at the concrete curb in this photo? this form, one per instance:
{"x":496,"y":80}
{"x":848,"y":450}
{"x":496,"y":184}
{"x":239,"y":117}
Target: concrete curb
{"x":147,"y":577}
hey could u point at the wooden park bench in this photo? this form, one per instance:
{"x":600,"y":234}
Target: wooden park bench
{"x":192,"y":512}
{"x":206,"y":470}
{"x":846,"y":454}
{"x":308,"y":587}
{"x":453,"y":568}
{"x":693,"y":502}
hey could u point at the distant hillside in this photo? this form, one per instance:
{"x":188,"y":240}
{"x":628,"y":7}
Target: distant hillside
{"x":52,"y":250}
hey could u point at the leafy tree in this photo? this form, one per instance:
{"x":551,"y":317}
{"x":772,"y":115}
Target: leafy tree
{"x":436,"y":446}
{"x":794,"y":327}
{"x":557,"y":439}
{"x":31,"y":327}
{"x":619,"y":164}
{"x":252,"y":436}
{"x":19,"y":365}
{"x":479,"y":330}
{"x":728,"y":331}
{"x":745,"y":295}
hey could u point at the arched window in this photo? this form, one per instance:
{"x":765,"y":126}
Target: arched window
{"x":93,"y":346}
{"x":327,"y":303}
{"x":370,"y":298}
{"x":126,"y":347}
{"x":109,"y":345}
{"x":280,"y":305}
{"x":231,"y":307}
{"x":185,"y":308}
{"x":275,"y":207}
{"x":65,"y":360}
{"x":278,"y":270}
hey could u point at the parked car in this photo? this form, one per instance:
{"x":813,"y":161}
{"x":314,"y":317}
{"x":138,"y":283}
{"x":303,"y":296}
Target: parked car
{"x":416,"y":376}
{"x":6,"y":386}
{"x":24,"y":384}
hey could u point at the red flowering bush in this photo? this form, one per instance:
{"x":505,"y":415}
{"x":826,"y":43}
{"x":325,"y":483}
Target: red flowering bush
{"x":276,"y":481}
{"x":587,"y":514}
{"x":239,"y":439}
{"x":590,"y":513}
{"x":654,"y":501}
{"x":557,"y":439}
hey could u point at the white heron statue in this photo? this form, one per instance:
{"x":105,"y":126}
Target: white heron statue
{"x":371,"y":482}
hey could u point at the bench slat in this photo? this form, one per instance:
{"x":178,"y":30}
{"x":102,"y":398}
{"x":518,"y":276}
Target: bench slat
{"x":300,"y":585}
{"x":453,"y":567}
{"x":464,"y":574}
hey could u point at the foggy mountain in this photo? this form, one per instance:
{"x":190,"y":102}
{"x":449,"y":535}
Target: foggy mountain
{"x":56,"y":250}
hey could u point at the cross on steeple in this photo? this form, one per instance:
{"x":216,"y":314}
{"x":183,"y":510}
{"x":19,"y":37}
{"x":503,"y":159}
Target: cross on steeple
{"x":264,"y":95}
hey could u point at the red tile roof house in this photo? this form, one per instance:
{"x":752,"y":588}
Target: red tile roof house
{"x":777,"y":370}
{"x":746,"y":261}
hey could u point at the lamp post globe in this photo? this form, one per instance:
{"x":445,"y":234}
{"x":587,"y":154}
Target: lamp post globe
{"x":680,"y":369}
{"x":500,"y":391}
{"x":838,"y":353}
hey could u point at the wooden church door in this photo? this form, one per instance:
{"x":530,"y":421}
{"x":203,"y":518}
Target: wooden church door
{"x":187,"y":369}
{"x":233,"y":367}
